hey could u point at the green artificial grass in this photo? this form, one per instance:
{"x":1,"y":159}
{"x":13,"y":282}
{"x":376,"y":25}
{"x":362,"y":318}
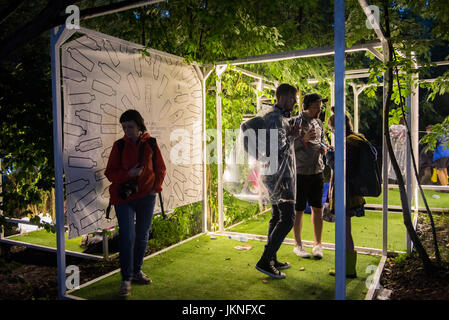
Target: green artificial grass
{"x":44,"y":238}
{"x":434,"y":199}
{"x":366,"y":231}
{"x":209,"y":269}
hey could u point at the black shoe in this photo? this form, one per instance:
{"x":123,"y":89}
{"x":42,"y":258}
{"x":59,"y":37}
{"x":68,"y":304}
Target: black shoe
{"x":281,"y":265}
{"x":141,"y":278}
{"x":270,"y":270}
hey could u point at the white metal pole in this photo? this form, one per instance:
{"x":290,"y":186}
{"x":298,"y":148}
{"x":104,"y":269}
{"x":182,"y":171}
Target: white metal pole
{"x":219,"y":70}
{"x":55,"y":35}
{"x":120,"y":9}
{"x":332,"y":87}
{"x":384,"y":169}
{"x":259,"y":107}
{"x":356,"y":107}
{"x":205,"y":211}
{"x":340,"y":150}
{"x":414,"y":110}
{"x":409,"y":175}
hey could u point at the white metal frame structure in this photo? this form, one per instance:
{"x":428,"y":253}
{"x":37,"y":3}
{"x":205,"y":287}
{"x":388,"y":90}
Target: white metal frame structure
{"x":59,"y":35}
{"x":339,"y":52}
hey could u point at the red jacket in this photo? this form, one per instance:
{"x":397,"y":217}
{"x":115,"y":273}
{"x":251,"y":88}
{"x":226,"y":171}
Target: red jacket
{"x":150,"y":179}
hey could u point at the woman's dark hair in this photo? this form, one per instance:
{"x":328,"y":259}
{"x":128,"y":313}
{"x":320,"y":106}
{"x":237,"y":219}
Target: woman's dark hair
{"x":348,"y":123}
{"x":133,"y":115}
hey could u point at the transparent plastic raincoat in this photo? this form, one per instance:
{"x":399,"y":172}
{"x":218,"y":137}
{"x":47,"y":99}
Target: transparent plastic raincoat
{"x":398,"y":134}
{"x":272,"y":173}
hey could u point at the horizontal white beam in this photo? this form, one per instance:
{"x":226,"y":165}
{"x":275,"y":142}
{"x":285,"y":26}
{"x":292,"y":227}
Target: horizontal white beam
{"x":120,"y":8}
{"x":357,"y":71}
{"x":357,"y":76}
{"x":49,"y":249}
{"x":437,"y":63}
{"x":306,"y":243}
{"x":295,"y":54}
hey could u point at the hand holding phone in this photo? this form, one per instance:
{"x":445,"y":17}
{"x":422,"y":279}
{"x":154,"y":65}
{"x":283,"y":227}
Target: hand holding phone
{"x":324,"y":147}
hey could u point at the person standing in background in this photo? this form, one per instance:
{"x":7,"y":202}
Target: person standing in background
{"x":281,"y":184}
{"x":310,"y":148}
{"x":398,"y":134}
{"x":441,"y":159}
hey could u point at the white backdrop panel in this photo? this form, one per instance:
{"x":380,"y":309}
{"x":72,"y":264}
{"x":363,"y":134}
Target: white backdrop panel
{"x":103,"y":77}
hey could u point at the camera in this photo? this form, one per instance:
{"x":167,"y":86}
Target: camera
{"x":127,"y":189}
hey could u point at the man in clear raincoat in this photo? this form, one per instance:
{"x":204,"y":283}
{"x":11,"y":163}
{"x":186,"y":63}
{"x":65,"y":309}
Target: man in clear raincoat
{"x":279,"y":178}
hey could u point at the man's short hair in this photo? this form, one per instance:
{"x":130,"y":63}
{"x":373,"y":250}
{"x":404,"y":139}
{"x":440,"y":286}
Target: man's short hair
{"x":285,"y":89}
{"x":311,"y":98}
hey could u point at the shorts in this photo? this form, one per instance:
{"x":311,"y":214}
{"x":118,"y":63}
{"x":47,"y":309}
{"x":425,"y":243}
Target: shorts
{"x":309,"y":188}
{"x":441,"y":163}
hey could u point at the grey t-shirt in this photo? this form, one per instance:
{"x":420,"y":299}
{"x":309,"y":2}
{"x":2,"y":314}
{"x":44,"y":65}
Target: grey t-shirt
{"x":309,"y":159}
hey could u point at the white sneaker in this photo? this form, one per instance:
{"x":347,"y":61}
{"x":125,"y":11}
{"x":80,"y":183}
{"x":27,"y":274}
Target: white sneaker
{"x":301,"y":252}
{"x":317,"y":251}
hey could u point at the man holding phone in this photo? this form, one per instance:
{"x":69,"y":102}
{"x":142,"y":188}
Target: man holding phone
{"x":310,"y":148}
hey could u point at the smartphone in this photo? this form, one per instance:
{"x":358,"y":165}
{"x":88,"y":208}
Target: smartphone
{"x":298,"y":122}
{"x":323,"y":145}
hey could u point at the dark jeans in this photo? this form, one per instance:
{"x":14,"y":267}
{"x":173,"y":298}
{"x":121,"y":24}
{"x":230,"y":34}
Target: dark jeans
{"x":134,"y":236}
{"x":282,"y":220}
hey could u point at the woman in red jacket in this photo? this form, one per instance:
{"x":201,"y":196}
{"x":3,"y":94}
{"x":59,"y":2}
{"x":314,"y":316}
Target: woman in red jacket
{"x":146,"y":180}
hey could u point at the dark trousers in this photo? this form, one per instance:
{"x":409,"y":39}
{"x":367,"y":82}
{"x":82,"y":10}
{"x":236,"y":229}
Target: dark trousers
{"x":282,"y":220}
{"x":134,"y":235}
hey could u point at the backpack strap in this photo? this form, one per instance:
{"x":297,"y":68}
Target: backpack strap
{"x":121,"y":146}
{"x":152,"y":143}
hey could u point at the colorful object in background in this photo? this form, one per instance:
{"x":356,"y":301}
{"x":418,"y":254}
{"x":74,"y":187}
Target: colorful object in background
{"x":434,"y":178}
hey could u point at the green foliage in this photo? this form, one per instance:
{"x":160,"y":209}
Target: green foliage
{"x":183,"y":223}
{"x":26,"y":132}
{"x":48,"y":227}
{"x":401,"y":258}
{"x":396,"y":115}
{"x":236,"y":210}
{"x":438,"y":130}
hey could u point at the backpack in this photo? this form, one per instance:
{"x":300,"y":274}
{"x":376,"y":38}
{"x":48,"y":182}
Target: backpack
{"x":365,"y":179}
{"x":121,"y":145}
{"x":254,"y":130}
